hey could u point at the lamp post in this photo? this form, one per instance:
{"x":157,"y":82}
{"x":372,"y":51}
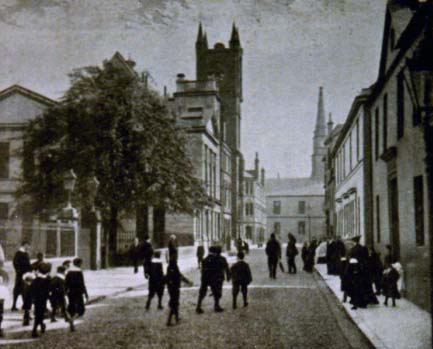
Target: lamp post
{"x":420,"y":68}
{"x":69,"y":213}
{"x":93,"y":222}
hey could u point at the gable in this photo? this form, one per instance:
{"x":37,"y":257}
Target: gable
{"x":19,"y":108}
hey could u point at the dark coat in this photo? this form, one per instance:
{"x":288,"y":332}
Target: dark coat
{"x":200,"y":251}
{"x":21,"y":262}
{"x":291,"y":250}
{"x":74,"y":283}
{"x":273,"y":249}
{"x":214,"y":269}
{"x":40,"y":291}
{"x":172,"y":251}
{"x":57,"y":288}
{"x":156,"y":275}
{"x":390,"y":278}
{"x":360,"y":253}
{"x":241,"y":273}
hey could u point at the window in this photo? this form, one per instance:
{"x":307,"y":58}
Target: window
{"x":301,"y":228}
{"x":249,"y":209}
{"x":206,"y":180}
{"x":350,"y":153}
{"x":4,"y":160}
{"x":376,"y":133}
{"x":277,"y":228}
{"x":419,"y":209}
{"x":385,"y":122}
{"x":301,"y":207}
{"x":400,"y":105}
{"x":378,"y":218}
{"x":357,"y":140}
{"x":277,"y":207}
{"x":4,"y":210}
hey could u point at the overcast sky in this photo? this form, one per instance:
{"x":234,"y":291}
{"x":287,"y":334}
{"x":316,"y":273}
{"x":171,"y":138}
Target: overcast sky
{"x":291,"y":47}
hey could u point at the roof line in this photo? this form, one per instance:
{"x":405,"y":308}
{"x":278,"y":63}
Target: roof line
{"x":26,"y":92}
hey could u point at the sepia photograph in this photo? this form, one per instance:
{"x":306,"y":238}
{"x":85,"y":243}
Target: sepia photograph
{"x":216,"y":174}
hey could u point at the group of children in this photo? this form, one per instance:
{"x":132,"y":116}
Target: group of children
{"x":39,"y":288}
{"x":240,"y":276}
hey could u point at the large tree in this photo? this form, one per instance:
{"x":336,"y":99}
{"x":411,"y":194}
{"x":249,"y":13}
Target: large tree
{"x":109,"y":124}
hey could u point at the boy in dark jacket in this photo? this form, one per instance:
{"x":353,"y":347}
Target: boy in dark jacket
{"x":57,"y":294}
{"x":40,"y":290}
{"x":27,"y":296}
{"x":390,"y":278}
{"x":241,"y":278}
{"x":22,"y":265}
{"x":173,"y":279}
{"x":156,"y":280}
{"x":344,"y":278}
{"x":75,"y":289}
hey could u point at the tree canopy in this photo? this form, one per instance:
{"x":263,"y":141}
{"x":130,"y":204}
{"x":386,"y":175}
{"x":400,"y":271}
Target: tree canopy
{"x":109,"y":124}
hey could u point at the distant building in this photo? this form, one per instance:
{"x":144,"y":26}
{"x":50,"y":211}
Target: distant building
{"x":296,"y":204}
{"x":18,"y":105}
{"x":254,"y":218}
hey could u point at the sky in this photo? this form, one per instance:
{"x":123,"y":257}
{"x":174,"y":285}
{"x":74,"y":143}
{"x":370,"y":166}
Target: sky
{"x":291,"y":47}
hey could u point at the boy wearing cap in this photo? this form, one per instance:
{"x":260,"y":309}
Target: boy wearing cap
{"x":156,"y":280}
{"x":241,"y":278}
{"x":57,"y":296}
{"x":75,"y":289}
{"x":40,"y":290}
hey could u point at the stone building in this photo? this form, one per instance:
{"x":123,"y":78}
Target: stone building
{"x":254,"y":221}
{"x":399,"y":177}
{"x":390,"y":178}
{"x":18,"y":105}
{"x":296,"y":205}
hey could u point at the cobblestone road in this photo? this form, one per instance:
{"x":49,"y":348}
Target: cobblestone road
{"x":293,"y":311}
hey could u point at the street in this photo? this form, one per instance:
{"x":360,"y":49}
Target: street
{"x":293,"y":311}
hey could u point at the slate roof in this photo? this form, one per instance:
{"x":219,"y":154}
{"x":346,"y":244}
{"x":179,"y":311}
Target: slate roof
{"x":294,"y":186}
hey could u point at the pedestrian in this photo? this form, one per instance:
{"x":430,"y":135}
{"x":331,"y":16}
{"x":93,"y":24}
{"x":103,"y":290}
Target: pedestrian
{"x":246,"y":247}
{"x":39,"y":261}
{"x":66,"y":264}
{"x":375,"y":270}
{"x":156,"y":280}
{"x":291,"y":253}
{"x":58,"y":294}
{"x":355,"y":281}
{"x":273,"y":251}
{"x":173,"y":279}
{"x":200,"y":255}
{"x":27,"y":296}
{"x":388,"y":257}
{"x":214,"y":271}
{"x":4,"y":297}
{"x":330,"y":244}
{"x":172,"y":248}
{"x":147,"y":252}
{"x":304,"y":255}
{"x":40,"y":290}
{"x":344,"y":278}
{"x":22,"y":265}
{"x":241,"y":278}
{"x":390,"y":279}
{"x":75,"y":288}
{"x":339,"y":252}
{"x":135,"y":254}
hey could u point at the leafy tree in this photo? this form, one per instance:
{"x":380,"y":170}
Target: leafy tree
{"x":109,"y":124}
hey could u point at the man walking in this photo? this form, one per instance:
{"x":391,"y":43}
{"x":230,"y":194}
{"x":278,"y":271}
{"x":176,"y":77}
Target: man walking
{"x":22,"y":265}
{"x":273,"y":251}
{"x":291,"y":252}
{"x":214,"y":269}
{"x":147,"y":253}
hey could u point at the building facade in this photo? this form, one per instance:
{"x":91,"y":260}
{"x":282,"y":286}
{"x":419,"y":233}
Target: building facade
{"x":296,"y":205}
{"x":254,"y":221}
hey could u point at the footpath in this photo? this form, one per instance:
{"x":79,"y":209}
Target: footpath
{"x":405,"y":326}
{"x":101,"y":284}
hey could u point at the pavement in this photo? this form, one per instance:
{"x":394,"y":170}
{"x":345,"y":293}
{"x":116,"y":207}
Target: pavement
{"x":406,"y":326}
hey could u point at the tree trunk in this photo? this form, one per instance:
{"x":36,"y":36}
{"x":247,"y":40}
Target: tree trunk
{"x":142,"y":222}
{"x":112,"y":236}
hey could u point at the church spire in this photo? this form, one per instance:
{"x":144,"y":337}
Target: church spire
{"x":319,"y":139}
{"x":200,"y":33}
{"x":205,"y":40}
{"x":330,"y":124}
{"x":234,"y":39}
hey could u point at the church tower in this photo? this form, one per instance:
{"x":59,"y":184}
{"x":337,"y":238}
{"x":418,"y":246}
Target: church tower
{"x":319,"y":149}
{"x":224,"y":63}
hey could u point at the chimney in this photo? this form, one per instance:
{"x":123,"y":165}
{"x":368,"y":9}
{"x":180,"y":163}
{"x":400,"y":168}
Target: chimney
{"x":263,"y":177}
{"x":179,"y":80}
{"x":256,"y":166}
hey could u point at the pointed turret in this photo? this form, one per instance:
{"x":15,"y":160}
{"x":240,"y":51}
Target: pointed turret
{"x":205,"y":40}
{"x":200,"y":43}
{"x":319,"y":139}
{"x":234,"y":39}
{"x":330,"y":124}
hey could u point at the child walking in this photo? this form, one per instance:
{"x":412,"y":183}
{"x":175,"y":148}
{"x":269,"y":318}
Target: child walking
{"x":28,"y":279}
{"x":40,"y":290}
{"x":390,"y":279}
{"x":156,"y":280}
{"x":57,"y":294}
{"x":173,"y":279}
{"x":241,"y":278}
{"x":75,"y":288}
